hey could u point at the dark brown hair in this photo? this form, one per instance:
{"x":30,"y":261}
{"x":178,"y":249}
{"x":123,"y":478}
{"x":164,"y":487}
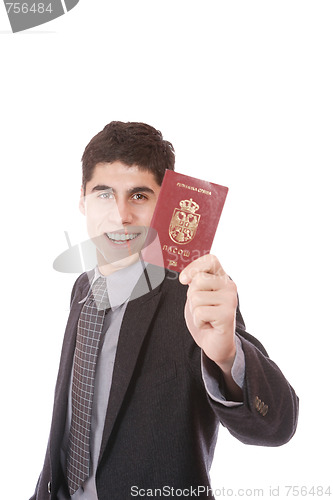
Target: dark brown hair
{"x":131,"y":143}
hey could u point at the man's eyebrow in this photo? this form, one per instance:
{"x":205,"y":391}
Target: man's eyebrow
{"x":101,"y":187}
{"x":134,"y":190}
{"x":141,"y":189}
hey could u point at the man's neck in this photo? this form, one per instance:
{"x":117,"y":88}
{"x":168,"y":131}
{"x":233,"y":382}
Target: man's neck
{"x":106,"y":268}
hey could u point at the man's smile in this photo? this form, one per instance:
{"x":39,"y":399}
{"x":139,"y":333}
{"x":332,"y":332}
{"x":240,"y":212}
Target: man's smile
{"x":120,"y":238}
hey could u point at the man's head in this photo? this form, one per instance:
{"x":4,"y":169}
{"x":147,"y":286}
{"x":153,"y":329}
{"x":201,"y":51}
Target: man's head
{"x":123,"y":168}
{"x":132,"y":144}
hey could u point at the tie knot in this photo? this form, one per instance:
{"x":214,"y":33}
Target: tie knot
{"x":99,"y":294}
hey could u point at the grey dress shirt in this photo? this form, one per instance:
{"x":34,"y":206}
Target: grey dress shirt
{"x":120,"y":286}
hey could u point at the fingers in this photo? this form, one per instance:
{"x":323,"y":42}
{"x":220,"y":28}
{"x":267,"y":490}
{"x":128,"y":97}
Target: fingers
{"x":204,"y":298}
{"x":203,"y":316}
{"x":210,"y":309}
{"x":212,"y":295}
{"x":225,"y":297}
{"x":207,"y":264}
{"x":216,"y":317}
{"x":209,"y":282}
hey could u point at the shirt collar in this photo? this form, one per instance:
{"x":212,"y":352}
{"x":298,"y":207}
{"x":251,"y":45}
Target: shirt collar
{"x":120,"y":284}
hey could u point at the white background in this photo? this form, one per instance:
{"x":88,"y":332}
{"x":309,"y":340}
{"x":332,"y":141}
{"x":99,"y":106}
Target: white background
{"x":243,"y":89}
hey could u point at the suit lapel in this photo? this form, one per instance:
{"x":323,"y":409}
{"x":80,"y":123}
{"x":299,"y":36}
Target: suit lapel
{"x":138,"y":316}
{"x":65,"y":369}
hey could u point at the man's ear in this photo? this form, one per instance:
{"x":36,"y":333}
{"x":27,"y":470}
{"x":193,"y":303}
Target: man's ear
{"x":82,"y":207}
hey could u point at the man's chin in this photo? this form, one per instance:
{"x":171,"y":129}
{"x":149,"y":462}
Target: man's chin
{"x":107,"y":268}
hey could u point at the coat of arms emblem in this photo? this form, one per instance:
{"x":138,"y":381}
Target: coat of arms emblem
{"x":184,"y":222}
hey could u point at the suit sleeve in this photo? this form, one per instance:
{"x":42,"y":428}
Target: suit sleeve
{"x":268,"y":416}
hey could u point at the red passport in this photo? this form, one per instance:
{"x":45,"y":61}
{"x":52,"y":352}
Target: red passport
{"x":184,"y":221}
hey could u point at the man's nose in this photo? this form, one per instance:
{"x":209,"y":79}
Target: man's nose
{"x":121,"y":213}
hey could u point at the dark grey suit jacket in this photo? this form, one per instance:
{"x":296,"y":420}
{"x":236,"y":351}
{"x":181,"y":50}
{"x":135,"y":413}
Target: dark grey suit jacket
{"x":161,"y":426}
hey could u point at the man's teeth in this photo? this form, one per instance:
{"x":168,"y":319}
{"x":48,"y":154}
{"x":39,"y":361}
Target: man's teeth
{"x":119,"y":238}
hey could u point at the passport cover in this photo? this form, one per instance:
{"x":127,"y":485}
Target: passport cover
{"x":185,"y":219}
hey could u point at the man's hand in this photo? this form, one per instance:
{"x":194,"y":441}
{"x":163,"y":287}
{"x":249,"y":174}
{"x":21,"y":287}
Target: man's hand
{"x":210,"y":312}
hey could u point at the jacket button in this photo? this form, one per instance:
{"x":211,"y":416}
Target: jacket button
{"x":264,"y":410}
{"x":260,"y":406}
{"x":49,"y":486}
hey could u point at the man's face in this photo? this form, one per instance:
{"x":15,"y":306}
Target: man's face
{"x":119,"y":203}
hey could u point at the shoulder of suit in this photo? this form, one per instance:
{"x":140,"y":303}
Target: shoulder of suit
{"x":82,"y":283}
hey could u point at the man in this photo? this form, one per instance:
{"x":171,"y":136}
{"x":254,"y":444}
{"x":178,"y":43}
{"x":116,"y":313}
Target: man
{"x":172,"y":361}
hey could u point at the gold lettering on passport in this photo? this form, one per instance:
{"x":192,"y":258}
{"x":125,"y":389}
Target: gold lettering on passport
{"x":204,"y":191}
{"x":193,"y":188}
{"x":172,"y":249}
{"x":184,"y":222}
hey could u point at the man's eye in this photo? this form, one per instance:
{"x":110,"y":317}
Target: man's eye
{"x":139,"y":196}
{"x":106,"y":196}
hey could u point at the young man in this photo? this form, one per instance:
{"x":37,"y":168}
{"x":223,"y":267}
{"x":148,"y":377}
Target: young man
{"x":171,"y":360}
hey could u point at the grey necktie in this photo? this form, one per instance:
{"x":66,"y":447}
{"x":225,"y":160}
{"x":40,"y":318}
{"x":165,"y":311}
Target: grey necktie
{"x":85,"y":358}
